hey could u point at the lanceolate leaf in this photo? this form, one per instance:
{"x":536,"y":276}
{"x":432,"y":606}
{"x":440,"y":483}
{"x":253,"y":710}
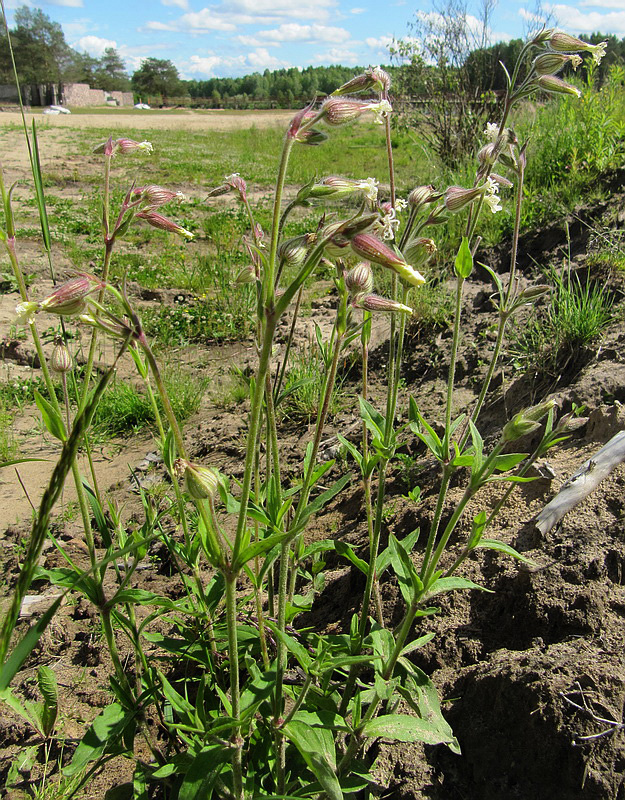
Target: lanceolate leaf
{"x":450,"y":584}
{"x":204,"y":770}
{"x":493,"y":544}
{"x":316,"y":747}
{"x":404,"y":728}
{"x":51,"y":419}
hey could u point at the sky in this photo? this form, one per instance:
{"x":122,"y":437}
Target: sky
{"x":236,"y":37}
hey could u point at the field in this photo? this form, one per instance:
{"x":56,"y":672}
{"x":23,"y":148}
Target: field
{"x":530,"y":672}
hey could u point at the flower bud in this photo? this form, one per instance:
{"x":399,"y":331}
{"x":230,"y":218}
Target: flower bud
{"x":338,"y":110}
{"x":370,"y":248}
{"x":554,"y":85}
{"x":534,"y":292}
{"x":419,"y":251}
{"x":157,"y":220}
{"x":526,"y":421}
{"x":456,"y":198}
{"x":542,"y":37}
{"x":563,"y":42}
{"x":311,"y":137}
{"x":569,"y":423}
{"x":373,"y":79}
{"x":373,"y":302}
{"x":488,"y":154}
{"x":359,"y":280}
{"x":157,"y":195}
{"x":420,"y":195}
{"x":246,"y":275}
{"x":61,"y":359}
{"x":200,"y":483}
{"x":550,"y":63}
{"x":293,"y":252}
{"x":70,"y":297}
{"x":123,"y":146}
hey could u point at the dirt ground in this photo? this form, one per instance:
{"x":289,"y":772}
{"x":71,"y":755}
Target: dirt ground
{"x":531,"y":676}
{"x":157,"y":120}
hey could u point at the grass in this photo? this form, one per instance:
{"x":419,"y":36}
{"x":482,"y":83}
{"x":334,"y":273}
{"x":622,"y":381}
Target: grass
{"x":554,"y":338}
{"x":124,"y":408}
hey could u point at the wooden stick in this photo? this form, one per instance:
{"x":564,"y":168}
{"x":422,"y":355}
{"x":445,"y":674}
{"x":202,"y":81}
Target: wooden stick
{"x":582,"y":482}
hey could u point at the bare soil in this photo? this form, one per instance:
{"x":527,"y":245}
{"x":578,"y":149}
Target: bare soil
{"x":531,"y":675}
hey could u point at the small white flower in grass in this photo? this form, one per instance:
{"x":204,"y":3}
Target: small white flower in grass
{"x":491,"y":196}
{"x":400,"y":204}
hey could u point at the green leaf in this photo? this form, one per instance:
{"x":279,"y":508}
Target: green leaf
{"x":408,"y":542}
{"x":20,"y":461}
{"x":200,"y":778}
{"x":259,"y":547}
{"x":319,"y":502}
{"x":404,"y":728}
{"x":347,"y":551}
{"x":410,"y":583}
{"x":104,"y":735}
{"x":493,"y":544}
{"x":26,"y":644}
{"x":46,"y":680}
{"x":464,"y":260}
{"x":39,"y":193}
{"x":98,"y":515}
{"x":316,"y":746}
{"x":477,"y":529}
{"x":450,"y":584}
{"x":51,"y":419}
{"x":508,"y":461}
{"x":374,"y":421}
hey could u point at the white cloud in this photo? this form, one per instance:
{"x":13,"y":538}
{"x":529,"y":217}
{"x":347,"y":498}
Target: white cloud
{"x":205,"y":65}
{"x":183,"y":4}
{"x":232,"y":13}
{"x":618,"y":4}
{"x":209,"y":65}
{"x":94,"y":45}
{"x":195,"y":22}
{"x":380,"y":44}
{"x":78,"y":27}
{"x":153,"y":25}
{"x":294,"y":32}
{"x":576,"y":21}
{"x":357,"y":10}
{"x":67,"y":3}
{"x":262,"y":59}
{"x":336,"y":55}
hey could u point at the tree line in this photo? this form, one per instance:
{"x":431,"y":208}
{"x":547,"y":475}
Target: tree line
{"x":43,"y":56}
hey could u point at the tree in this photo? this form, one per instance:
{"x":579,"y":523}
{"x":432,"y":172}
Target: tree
{"x":41,"y":53}
{"x":452,"y":105}
{"x":110,"y":73}
{"x":157,"y":76}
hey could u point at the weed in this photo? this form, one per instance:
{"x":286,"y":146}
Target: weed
{"x":554,"y":337}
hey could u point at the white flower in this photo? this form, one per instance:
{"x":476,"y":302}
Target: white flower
{"x":598,"y":51}
{"x":491,"y":131}
{"x":381,"y":110}
{"x":370,"y":188}
{"x":400,"y":204}
{"x":389,"y":224}
{"x":491,"y":195}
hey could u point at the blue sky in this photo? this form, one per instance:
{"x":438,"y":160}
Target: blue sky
{"x":235,"y":37}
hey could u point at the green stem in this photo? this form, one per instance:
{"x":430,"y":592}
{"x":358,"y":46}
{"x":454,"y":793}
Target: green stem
{"x":235,"y":699}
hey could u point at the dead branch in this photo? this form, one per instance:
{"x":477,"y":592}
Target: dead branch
{"x":582,"y":482}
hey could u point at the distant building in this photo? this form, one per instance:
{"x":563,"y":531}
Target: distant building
{"x":64,"y":94}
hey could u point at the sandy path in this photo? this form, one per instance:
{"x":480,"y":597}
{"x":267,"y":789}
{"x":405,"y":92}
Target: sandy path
{"x":157,"y":120}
